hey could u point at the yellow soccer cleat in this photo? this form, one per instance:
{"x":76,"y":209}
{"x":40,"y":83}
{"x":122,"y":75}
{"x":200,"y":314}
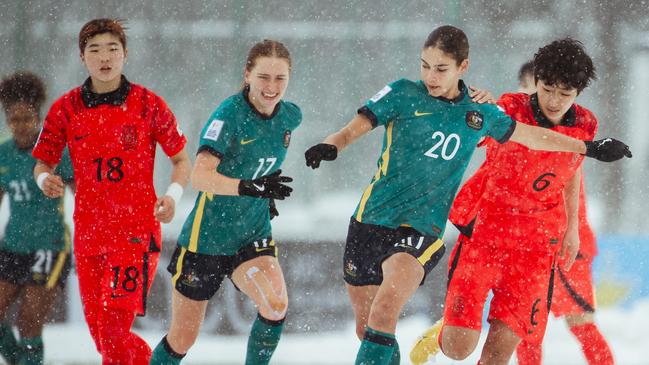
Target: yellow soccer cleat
{"x":426,"y":344}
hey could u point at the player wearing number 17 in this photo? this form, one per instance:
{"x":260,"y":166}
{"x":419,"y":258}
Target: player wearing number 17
{"x":432,"y":128}
{"x":111,"y":127}
{"x":228,"y":233}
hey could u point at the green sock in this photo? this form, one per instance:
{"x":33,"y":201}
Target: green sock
{"x":163,"y":354}
{"x":263,"y":340}
{"x":8,"y":344}
{"x":376,"y":349}
{"x":32,"y":351}
{"x":396,"y":355}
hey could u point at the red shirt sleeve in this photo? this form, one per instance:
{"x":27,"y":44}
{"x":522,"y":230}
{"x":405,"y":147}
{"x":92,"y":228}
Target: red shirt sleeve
{"x":166,"y":130}
{"x":52,"y":139}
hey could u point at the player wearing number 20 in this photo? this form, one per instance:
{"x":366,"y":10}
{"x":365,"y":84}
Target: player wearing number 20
{"x":112,"y":127}
{"x":228,"y":233}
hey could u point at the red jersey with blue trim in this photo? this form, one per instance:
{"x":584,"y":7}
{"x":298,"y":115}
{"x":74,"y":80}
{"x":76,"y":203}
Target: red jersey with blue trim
{"x":517,"y":194}
{"x":112,"y":141}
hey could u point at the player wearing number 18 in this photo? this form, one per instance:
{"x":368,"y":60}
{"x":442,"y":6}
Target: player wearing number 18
{"x":432,"y":128}
{"x":228,"y":233}
{"x":111,"y":127}
{"x":35,"y":250}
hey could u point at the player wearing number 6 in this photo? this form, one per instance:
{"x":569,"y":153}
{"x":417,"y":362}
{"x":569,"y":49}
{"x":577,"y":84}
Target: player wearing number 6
{"x":35,"y":249}
{"x":111,"y":127}
{"x":228,"y":233}
{"x":432,"y":128}
{"x":516,"y":213}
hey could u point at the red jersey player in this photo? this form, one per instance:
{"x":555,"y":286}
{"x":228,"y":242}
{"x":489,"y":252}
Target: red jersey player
{"x":526,"y":213}
{"x":112,"y":127}
{"x":573,"y":296}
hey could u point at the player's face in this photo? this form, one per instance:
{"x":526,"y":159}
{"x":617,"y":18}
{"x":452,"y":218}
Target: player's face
{"x":24,"y":123}
{"x":104,"y":57}
{"x":555,"y":100}
{"x":527,"y":85}
{"x":441,"y":73}
{"x":268,"y":80}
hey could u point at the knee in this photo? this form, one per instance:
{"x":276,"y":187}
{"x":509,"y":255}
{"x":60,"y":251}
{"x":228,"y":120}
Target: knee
{"x":275,"y":308}
{"x":458,"y":345}
{"x":384,"y":311}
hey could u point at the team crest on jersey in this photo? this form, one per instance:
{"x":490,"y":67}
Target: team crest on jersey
{"x":383,"y":92}
{"x":350,"y":268}
{"x":474,"y":120}
{"x":287,"y":138}
{"x":129,"y":137}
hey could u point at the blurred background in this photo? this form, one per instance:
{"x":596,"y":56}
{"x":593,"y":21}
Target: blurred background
{"x":192,"y":53}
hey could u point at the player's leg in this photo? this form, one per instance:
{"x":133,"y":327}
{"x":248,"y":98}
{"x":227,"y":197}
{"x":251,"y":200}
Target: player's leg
{"x":593,"y":344}
{"x":500,"y":345}
{"x":90,"y":276}
{"x":262,"y":280}
{"x":9,"y":348}
{"x":529,"y":353}
{"x":35,"y":305}
{"x":195,"y":279}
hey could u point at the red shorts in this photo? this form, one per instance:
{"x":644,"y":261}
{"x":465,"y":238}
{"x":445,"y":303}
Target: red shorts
{"x":573,"y":290}
{"x":521,"y":282}
{"x":118,"y":280}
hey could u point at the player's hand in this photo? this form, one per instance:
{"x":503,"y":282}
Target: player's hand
{"x":272,"y":209}
{"x":53,"y":186}
{"x":569,"y":248}
{"x":319,"y":152}
{"x":481,"y":96}
{"x":164,"y":209}
{"x":607,"y":149}
{"x":270,"y":186}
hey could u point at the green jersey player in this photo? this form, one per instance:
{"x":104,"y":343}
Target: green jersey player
{"x":35,"y":249}
{"x":431,"y":131}
{"x":228,"y":233}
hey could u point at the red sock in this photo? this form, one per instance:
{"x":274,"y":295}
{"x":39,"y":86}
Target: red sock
{"x":529,"y":353}
{"x":593,"y":344}
{"x":118,"y":344}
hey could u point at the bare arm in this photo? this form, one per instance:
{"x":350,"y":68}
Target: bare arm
{"x":165,"y":207}
{"x":204,"y":176}
{"x":51,"y":185}
{"x":570,"y":244}
{"x":356,"y":128}
{"x":538,"y":138}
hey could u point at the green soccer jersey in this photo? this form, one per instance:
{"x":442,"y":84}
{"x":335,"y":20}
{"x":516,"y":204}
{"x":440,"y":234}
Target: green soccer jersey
{"x":35,"y":221}
{"x":427,"y":145}
{"x":249,"y":146}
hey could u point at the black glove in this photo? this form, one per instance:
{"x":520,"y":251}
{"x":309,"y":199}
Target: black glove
{"x":270,"y":186}
{"x":607,"y":149}
{"x":272,"y":209}
{"x":319,"y":152}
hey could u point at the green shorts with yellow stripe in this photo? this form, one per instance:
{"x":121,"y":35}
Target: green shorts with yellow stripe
{"x":368,"y":245}
{"x":42,"y":268}
{"x":198,"y":276}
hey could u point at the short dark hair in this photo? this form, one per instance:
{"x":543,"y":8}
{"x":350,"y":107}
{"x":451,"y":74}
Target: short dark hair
{"x":564,"y":62}
{"x":99,"y":26}
{"x":450,"y":40}
{"x":22,"y":87}
{"x":527,"y":69}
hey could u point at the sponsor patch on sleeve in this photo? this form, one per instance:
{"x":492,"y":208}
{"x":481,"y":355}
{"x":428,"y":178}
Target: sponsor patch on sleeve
{"x":214,"y":130}
{"x":381,"y":94}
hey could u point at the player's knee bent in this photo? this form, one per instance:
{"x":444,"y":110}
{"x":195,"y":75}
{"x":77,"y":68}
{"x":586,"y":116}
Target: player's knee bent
{"x":458,"y":345}
{"x":275,"y":308}
{"x":384,"y":312}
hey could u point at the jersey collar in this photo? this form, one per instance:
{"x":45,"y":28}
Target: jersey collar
{"x":245,"y":92}
{"x":568,"y":119}
{"x":117,"y":97}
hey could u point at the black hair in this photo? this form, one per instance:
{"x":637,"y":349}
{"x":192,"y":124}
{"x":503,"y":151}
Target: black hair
{"x":22,"y":87}
{"x":527,"y":69}
{"x":564,"y":62}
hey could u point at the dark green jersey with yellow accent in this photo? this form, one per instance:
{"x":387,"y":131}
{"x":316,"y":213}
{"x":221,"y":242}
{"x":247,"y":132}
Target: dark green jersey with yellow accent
{"x":35,"y":221}
{"x":249,"y":146}
{"x":427,"y":145}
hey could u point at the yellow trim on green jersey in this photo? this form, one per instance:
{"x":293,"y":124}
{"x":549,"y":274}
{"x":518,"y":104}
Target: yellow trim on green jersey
{"x":60,"y":259}
{"x":179,"y":266}
{"x":430,"y":251}
{"x":198,"y":218}
{"x":383,"y":170}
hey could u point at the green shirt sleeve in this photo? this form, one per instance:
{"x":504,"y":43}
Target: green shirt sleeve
{"x":217,"y":134}
{"x":500,"y":125}
{"x":384,"y":106}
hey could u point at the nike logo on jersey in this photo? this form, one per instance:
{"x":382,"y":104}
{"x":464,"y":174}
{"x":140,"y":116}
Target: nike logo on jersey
{"x":246,"y":141}
{"x":421,"y":114}
{"x":259,"y":187}
{"x":262,"y":249}
{"x":78,"y":138}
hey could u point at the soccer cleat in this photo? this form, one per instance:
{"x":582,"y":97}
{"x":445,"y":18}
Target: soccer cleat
{"x":426,"y":345}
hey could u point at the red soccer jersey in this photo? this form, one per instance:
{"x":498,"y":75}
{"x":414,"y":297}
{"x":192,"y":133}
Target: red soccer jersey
{"x":518,"y":193}
{"x":112,"y":141}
